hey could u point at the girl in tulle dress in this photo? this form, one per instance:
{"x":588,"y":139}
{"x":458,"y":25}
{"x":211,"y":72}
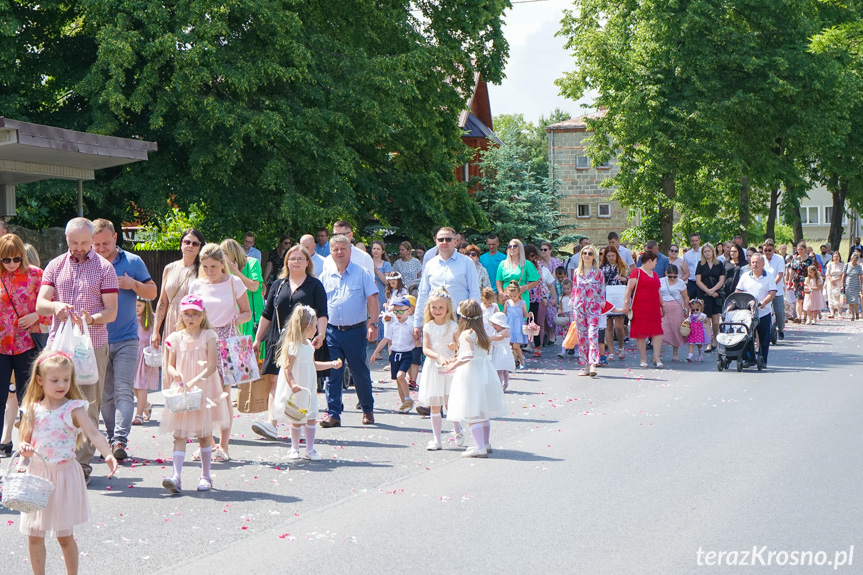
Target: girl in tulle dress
{"x":192,"y":362}
{"x":697,"y":334}
{"x":55,"y":416}
{"x":476,"y":395}
{"x":501,"y":354}
{"x":439,"y":345}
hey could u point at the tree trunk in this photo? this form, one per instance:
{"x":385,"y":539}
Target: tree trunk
{"x":744,"y":209}
{"x":770,"y":231}
{"x":796,"y":223}
{"x":666,"y":213}
{"x":836,"y":229}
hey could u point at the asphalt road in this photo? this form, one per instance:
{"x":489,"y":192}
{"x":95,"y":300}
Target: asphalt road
{"x":631,"y":472}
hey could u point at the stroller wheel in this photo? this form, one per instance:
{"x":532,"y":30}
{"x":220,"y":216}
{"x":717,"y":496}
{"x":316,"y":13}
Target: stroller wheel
{"x":719,"y":365}
{"x":739,"y":365}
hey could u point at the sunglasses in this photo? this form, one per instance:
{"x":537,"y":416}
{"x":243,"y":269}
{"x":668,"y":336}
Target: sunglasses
{"x":513,"y":246}
{"x":191,"y":243}
{"x":671,"y":277}
{"x":445,"y":240}
{"x":400,"y":311}
{"x":673,"y":251}
{"x":544,"y":249}
{"x":17,"y":260}
{"x":587,"y":253}
{"x":473,"y":254}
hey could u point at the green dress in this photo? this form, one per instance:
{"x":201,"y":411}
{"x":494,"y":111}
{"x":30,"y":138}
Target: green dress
{"x":506,"y":274}
{"x":252,"y":270}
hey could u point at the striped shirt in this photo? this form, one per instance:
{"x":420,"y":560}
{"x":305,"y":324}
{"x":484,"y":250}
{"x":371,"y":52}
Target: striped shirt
{"x":82,"y":284}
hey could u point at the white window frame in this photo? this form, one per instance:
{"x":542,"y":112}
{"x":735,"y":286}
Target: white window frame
{"x":577,"y":210}
{"x":599,"y":207}
{"x":604,"y":166}
{"x":808,"y":209}
{"x":828,"y":210}
{"x":578,"y":161}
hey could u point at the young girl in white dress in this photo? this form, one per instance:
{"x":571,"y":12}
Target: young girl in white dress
{"x":476,"y":395}
{"x":298,"y":370}
{"x":55,"y":416}
{"x":489,"y":307}
{"x":439,"y":345}
{"x":501,"y":354}
{"x":192,"y":362}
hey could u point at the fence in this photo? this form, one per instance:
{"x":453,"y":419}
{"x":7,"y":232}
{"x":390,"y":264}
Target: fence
{"x":156,"y":260}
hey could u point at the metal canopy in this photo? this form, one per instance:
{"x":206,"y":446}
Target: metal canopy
{"x":33,"y":152}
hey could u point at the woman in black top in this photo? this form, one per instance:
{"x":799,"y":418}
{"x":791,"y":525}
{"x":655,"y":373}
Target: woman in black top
{"x":710,"y":279}
{"x":734,"y":262}
{"x":295,"y":286}
{"x":276,"y":262}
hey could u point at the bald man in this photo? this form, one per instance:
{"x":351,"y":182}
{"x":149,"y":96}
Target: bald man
{"x":308,"y":242}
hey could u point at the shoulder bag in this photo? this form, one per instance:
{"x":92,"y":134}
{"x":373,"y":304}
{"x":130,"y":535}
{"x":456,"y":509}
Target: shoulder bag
{"x":634,"y":291}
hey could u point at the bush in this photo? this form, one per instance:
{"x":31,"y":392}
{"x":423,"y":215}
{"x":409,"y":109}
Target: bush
{"x":167,"y":231}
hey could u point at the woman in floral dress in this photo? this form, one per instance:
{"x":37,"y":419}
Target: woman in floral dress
{"x":799,"y":270}
{"x":588,"y":297}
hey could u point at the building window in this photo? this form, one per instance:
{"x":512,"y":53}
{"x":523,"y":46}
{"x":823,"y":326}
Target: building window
{"x":603,"y":210}
{"x":582,"y":163}
{"x":809,"y":215}
{"x":828,"y":216}
{"x":582,"y":211}
{"x":603,"y":166}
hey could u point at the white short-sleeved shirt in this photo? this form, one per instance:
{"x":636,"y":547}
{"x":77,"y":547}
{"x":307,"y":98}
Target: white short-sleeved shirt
{"x":672,"y":292}
{"x":692,"y":258}
{"x":626,"y":255}
{"x":758,"y":287}
{"x":400,"y":334}
{"x":776,"y":265}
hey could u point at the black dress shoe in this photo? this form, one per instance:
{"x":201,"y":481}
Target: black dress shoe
{"x":331,"y":421}
{"x":781,"y":335}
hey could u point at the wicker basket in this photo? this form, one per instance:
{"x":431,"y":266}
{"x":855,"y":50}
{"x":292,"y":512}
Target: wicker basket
{"x":297,"y":406}
{"x":183,"y":399}
{"x":25,"y":492}
{"x":152,"y":356}
{"x":562,"y":320}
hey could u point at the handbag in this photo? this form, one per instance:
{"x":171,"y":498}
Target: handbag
{"x":254,"y":396}
{"x":77,"y":344}
{"x":634,"y":291}
{"x":237,"y":361}
{"x":40,"y":340}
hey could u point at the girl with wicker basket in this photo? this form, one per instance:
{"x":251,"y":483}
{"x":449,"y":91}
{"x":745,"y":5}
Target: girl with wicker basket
{"x":297,"y":372}
{"x":55,"y":417}
{"x":476,"y":395}
{"x":439,"y":345}
{"x":192,"y":354}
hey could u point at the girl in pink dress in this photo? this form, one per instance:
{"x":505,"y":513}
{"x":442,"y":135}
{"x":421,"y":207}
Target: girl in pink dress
{"x":813,"y":301}
{"x":55,"y":415}
{"x":192,"y":362}
{"x":146,"y":376}
{"x":697,"y":333}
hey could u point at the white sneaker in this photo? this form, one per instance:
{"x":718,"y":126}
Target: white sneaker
{"x":205,"y":484}
{"x":433,"y":446}
{"x":172,"y":485}
{"x":266,"y":430}
{"x":474,"y":452}
{"x":313,"y":455}
{"x":294,"y":455}
{"x":459,"y":439}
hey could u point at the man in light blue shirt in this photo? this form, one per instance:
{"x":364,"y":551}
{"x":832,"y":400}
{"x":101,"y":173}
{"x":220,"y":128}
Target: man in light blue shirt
{"x":249,"y":247}
{"x":322,"y":248}
{"x":492,"y":258}
{"x":352,"y":307}
{"x":661,"y":259}
{"x":449,"y":270}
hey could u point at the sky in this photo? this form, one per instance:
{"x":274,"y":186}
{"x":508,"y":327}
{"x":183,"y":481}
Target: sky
{"x":536,"y":59}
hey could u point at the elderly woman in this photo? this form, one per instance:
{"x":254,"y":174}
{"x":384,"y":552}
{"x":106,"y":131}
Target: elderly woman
{"x":176,"y":279}
{"x":19,"y":321}
{"x":473,"y":253}
{"x":276,"y":261}
{"x":642,"y":297}
{"x":407,"y":265}
{"x":249,"y":271}
{"x":296,"y":286}
{"x":710,"y":279}
{"x":851,"y":281}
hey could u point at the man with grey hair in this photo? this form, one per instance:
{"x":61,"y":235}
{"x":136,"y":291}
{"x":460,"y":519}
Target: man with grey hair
{"x":82,"y":286}
{"x":352,"y":310}
{"x":760,"y":284}
{"x":308,"y":242}
{"x":118,"y":397}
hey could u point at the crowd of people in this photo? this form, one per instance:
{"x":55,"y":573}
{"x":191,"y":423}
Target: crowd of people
{"x":468,"y":317}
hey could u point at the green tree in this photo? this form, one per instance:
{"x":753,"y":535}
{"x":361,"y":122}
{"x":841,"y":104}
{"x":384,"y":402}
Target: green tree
{"x":517,"y":202}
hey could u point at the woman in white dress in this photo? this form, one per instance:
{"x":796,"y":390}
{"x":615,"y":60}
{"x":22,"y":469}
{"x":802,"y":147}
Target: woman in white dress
{"x":833,"y":284}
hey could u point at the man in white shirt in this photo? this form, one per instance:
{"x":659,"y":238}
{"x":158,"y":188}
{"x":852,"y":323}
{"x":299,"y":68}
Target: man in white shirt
{"x":572,"y":263}
{"x":625,"y":253}
{"x":759,"y":283}
{"x":308,"y":242}
{"x":358,"y":256}
{"x":775,"y":265}
{"x":692,"y":257}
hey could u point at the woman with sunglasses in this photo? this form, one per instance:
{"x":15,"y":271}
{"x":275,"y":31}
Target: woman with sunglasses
{"x":676,"y":300}
{"x":275,"y":262}
{"x":674,"y":258}
{"x":516,"y":268}
{"x":176,"y":279}
{"x":539,"y":296}
{"x":472,"y":251}
{"x":548,"y":261}
{"x":18,"y":320}
{"x":589,"y":298}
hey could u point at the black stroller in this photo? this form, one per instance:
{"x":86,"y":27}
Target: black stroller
{"x":736,"y":337}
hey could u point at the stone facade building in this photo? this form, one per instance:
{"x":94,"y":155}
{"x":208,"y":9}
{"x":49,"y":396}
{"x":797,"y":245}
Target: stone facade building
{"x":585,"y":203}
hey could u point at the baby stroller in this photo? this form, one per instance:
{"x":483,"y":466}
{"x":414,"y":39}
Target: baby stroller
{"x":736,"y":336}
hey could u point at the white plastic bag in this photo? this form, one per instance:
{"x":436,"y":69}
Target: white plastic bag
{"x":72,"y":340}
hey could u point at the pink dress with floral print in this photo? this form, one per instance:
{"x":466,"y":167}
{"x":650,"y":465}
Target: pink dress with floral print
{"x":588,"y":297}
